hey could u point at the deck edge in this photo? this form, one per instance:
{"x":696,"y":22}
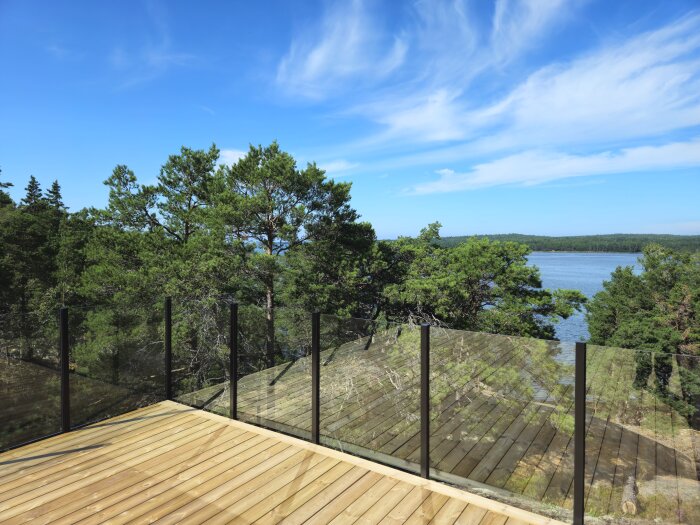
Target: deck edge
{"x":435,"y":486}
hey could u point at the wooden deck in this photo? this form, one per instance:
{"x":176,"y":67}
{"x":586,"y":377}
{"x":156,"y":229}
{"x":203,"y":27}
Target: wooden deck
{"x":502,"y":419}
{"x":169,"y":463}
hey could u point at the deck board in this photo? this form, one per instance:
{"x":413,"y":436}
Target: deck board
{"x":169,"y":463}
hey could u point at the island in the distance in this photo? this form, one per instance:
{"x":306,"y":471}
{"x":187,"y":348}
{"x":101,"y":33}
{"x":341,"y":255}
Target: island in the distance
{"x":617,"y":242}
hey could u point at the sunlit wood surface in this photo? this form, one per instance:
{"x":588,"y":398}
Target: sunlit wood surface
{"x":502,"y":418}
{"x":169,"y":463}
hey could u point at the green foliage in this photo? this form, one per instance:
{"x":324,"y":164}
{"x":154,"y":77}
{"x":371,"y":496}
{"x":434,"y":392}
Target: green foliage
{"x":5,"y":199}
{"x":479,"y":285}
{"x":657,"y":313}
{"x":263,"y":232}
{"x":34,"y":197}
{"x":53,"y":196}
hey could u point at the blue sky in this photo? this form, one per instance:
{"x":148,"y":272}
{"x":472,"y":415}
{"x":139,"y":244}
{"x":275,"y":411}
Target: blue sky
{"x":542,"y":116}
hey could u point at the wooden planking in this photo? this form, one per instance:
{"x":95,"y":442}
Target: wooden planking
{"x":494,"y":432}
{"x":187,"y":466}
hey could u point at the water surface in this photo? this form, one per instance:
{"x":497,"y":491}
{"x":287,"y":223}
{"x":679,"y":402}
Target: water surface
{"x":579,"y":271}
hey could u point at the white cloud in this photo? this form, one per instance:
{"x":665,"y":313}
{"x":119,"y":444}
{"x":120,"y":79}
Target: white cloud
{"x":349,"y":45}
{"x":537,"y":167}
{"x":642,"y":88}
{"x":339,"y":166}
{"x":646,"y":86}
{"x":432,"y":101}
{"x":517,"y":23}
{"x":461,"y":98}
{"x":231,"y":156}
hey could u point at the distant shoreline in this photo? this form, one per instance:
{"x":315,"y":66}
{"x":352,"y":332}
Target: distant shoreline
{"x":609,"y":243}
{"x":586,"y":251}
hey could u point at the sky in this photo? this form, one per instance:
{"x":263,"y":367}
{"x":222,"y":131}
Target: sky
{"x":552,"y":117}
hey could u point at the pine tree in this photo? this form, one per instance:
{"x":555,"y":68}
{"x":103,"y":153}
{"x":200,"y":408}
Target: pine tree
{"x":5,"y":198}
{"x":34,"y":195}
{"x":53,"y":196}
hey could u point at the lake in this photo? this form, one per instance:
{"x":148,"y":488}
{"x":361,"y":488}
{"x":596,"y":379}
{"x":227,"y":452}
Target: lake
{"x":579,"y":271}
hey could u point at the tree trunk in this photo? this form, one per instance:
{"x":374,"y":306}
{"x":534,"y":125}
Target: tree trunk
{"x":629,"y":496}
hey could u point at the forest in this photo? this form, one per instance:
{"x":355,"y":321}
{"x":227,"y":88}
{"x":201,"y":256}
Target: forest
{"x":619,"y":242}
{"x":262,"y":232}
{"x":282,"y":241}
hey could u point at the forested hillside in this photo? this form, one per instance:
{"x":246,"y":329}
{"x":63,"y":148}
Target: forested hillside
{"x":262,"y":232}
{"x":619,"y":242}
{"x":282,"y":241}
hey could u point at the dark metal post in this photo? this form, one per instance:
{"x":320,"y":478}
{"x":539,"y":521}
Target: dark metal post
{"x":233,"y":360}
{"x":579,"y":433}
{"x":168,"y":348}
{"x":425,"y":400}
{"x":65,"y":371}
{"x":315,"y":377}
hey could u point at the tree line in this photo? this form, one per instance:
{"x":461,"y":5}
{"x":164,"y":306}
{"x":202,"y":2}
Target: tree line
{"x":619,"y":242}
{"x":263,"y":232}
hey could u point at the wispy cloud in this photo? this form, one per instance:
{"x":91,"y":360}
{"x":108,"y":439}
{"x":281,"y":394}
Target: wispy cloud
{"x":231,"y":156}
{"x":58,"y":51}
{"x":140,"y":63}
{"x":517,"y":24}
{"x":450,"y":51}
{"x":337,"y":167}
{"x":463,"y":97}
{"x":348,"y":46}
{"x":537,"y":167}
{"x":645,"y":86}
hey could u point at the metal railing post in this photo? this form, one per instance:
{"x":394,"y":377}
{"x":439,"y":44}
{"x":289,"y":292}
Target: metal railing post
{"x":579,"y":433}
{"x":425,"y":401}
{"x":65,"y":370}
{"x":233,"y":360}
{"x":168,"y":348}
{"x":315,"y":377}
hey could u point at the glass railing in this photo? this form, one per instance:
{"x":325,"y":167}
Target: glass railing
{"x":370,"y":389}
{"x":643,"y":436}
{"x":116,"y":360}
{"x":501,"y":417}
{"x":499,"y":413}
{"x":274,"y":387}
{"x":29,"y":379}
{"x":200,"y":347}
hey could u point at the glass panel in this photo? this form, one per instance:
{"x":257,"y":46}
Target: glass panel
{"x":201,"y":354}
{"x":29,"y":380}
{"x":117,"y":357}
{"x":643,"y":436}
{"x":502,"y":418}
{"x":370,"y":389}
{"x":274,"y":389}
